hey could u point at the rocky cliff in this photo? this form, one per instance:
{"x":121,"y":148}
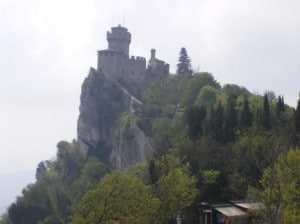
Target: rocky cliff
{"x":107,"y":125}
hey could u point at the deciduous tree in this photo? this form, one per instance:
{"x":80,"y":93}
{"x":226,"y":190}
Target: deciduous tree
{"x":118,"y":198}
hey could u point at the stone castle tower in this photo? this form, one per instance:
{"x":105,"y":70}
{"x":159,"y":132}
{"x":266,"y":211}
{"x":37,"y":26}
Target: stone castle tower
{"x":116,"y":63}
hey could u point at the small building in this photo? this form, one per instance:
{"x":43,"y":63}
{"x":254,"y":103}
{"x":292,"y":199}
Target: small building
{"x":235,"y":212}
{"x":228,"y":214}
{"x":246,"y":205}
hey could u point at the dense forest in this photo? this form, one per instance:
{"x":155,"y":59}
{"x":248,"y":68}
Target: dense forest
{"x":213,"y":144}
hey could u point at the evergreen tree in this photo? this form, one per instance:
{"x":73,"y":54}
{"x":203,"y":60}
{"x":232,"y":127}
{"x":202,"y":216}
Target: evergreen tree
{"x":231,"y":119}
{"x":153,"y":172}
{"x":280,"y":105}
{"x":246,"y":115}
{"x":266,"y":123}
{"x":216,"y":122}
{"x":297,"y":116}
{"x":194,"y":117}
{"x":184,"y":66}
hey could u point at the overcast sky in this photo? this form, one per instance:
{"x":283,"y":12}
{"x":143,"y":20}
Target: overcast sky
{"x":47,"y":47}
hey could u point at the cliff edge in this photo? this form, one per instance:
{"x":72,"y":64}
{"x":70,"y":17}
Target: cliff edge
{"x":106,"y":126}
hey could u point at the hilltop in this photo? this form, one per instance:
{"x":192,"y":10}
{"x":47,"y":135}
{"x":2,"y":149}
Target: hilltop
{"x":152,"y":145}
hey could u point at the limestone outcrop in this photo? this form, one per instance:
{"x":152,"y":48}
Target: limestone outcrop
{"x":106,"y":126}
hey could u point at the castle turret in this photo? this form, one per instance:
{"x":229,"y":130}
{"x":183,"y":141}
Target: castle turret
{"x":119,"y":39}
{"x":152,"y":53}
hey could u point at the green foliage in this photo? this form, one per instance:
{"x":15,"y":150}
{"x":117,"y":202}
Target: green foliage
{"x":93,"y":169}
{"x":217,"y":150}
{"x":210,"y":176}
{"x":297,"y":116}
{"x":230,"y":119}
{"x":194,"y":116}
{"x":246,"y":117}
{"x":35,"y":205}
{"x":280,"y":106}
{"x":254,"y":151}
{"x":3,"y":219}
{"x":166,"y":92}
{"x":140,"y":170}
{"x":184,"y":65}
{"x":207,"y":96}
{"x":68,"y":161}
{"x":195,"y":84}
{"x":163,"y":135}
{"x":280,"y":192}
{"x":232,"y":89}
{"x":175,"y":188}
{"x":266,"y":122}
{"x":118,"y":198}
{"x":216,"y":124}
{"x":153,"y":171}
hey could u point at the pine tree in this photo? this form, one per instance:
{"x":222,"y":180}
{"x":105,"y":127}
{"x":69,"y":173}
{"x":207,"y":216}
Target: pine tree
{"x":266,"y":123}
{"x":246,"y":115}
{"x":184,"y":66}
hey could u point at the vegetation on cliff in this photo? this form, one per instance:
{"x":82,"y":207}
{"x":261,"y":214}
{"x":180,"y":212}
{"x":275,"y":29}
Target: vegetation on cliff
{"x":212,"y":143}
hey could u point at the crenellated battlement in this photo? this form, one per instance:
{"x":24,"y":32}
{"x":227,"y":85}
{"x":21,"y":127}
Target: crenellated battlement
{"x":119,"y":39}
{"x":115,"y":62}
{"x":137,"y":58}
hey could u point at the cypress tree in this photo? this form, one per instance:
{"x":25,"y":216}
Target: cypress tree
{"x":216,"y":123}
{"x":184,"y":65}
{"x":230,"y":120}
{"x":246,"y":115}
{"x":266,"y":123}
{"x":297,"y":116}
{"x":153,"y":172}
{"x":194,"y":117}
{"x":280,"y":105}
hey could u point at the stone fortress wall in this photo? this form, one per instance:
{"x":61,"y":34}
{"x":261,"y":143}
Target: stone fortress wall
{"x":116,"y":63}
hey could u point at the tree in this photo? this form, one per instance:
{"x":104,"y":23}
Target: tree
{"x":194,"y":117}
{"x":246,"y":115}
{"x":230,"y":119}
{"x":176,"y":188}
{"x":280,"y":105}
{"x":254,"y":151}
{"x":216,"y":123}
{"x":153,"y":172}
{"x":118,"y":198}
{"x":280,"y":192}
{"x":266,"y":122}
{"x":297,"y":116}
{"x":184,"y":65}
{"x":207,"y":96}
{"x":195,"y":85}
{"x":41,"y":170}
{"x":270,"y":94}
{"x":4,"y":219}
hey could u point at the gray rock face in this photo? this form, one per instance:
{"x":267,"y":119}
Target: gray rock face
{"x":102,"y":103}
{"x":131,"y":148}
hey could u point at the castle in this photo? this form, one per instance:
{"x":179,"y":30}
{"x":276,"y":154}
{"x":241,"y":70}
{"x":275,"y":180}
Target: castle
{"x":116,"y":63}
